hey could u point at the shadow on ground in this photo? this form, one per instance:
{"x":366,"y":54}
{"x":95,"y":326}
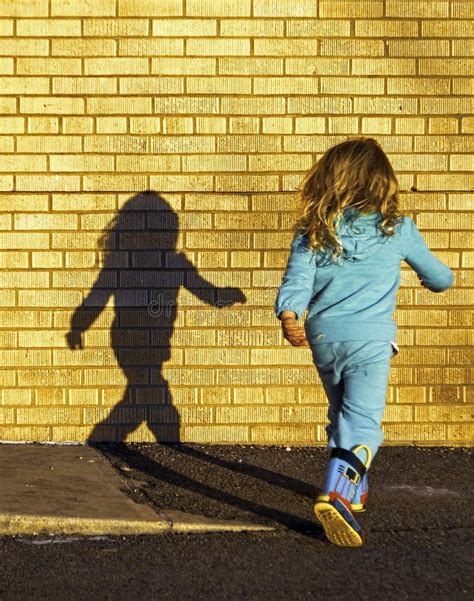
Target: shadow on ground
{"x":410,"y":487}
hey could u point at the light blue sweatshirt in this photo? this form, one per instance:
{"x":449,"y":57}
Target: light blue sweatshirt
{"x":355,"y":298}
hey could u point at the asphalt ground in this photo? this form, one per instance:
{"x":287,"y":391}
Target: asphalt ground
{"x":418,"y":525}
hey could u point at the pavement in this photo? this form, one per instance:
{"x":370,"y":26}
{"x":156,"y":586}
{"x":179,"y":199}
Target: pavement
{"x":72,"y":489}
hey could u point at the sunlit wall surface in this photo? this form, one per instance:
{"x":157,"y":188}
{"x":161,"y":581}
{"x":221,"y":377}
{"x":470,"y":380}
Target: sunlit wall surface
{"x":150,"y":154}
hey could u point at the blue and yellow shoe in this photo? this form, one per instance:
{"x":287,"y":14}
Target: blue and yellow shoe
{"x":359,"y":502}
{"x":333,"y":506}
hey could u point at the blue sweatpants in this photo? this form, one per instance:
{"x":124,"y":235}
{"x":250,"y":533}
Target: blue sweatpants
{"x":355,"y":376}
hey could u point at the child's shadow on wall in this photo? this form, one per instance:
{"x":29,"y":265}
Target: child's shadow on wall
{"x":143,"y":272}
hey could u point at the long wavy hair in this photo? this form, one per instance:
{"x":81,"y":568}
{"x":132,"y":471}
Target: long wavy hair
{"x":355,"y":173}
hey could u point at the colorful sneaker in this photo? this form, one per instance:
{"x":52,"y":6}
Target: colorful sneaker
{"x":333,"y":506}
{"x":359,"y":502}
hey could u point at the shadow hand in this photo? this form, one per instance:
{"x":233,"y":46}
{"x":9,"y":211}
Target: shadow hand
{"x":230,"y":296}
{"x":74,"y":339}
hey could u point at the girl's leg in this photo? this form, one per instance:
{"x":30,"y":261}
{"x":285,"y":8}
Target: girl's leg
{"x":365,"y":374}
{"x":324,"y":359}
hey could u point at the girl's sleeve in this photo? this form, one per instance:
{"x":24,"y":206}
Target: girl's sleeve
{"x":296,"y":288}
{"x":434,"y":273}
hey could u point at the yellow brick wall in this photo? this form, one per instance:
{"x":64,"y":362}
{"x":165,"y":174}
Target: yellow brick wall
{"x":218,"y":107}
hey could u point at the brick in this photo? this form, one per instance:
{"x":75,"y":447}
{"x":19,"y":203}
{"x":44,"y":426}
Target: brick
{"x":447,"y":105}
{"x":152,"y":85}
{"x":83,"y":202}
{"x":50,"y":104}
{"x":463,"y":86}
{"x":115,"y":66}
{"x":187,"y":105}
{"x":84,"y":85}
{"x":285,"y":47}
{"x":111,"y":125}
{"x":24,"y":162}
{"x":209,"y":202}
{"x":252,"y":106}
{"x":447,"y":29}
{"x":216,"y":434}
{"x":343,"y":8}
{"x":376,"y":125}
{"x":249,"y":66}
{"x":316,"y":66}
{"x":6,"y":182}
{"x":443,"y":143}
{"x":461,"y":9}
{"x":79,"y":162}
{"x":12,"y":396}
{"x":386,"y":28}
{"x":225,"y":8}
{"x":448,"y":66}
{"x":464,"y":47}
{"x":384,"y":66}
{"x":413,"y":9}
{"x":181,"y":182}
{"x":23,"y":47}
{"x":83,"y":47}
{"x":351,"y":47}
{"x":318,"y":28}
{"x":43,"y":125}
{"x":418,"y":162}
{"x":274,"y":125}
{"x":220,"y":85}
{"x":150,"y":47}
{"x":112,"y":182}
{"x":24,"y":85}
{"x":6,"y":66}
{"x":85,"y":8}
{"x":443,"y":414}
{"x":32,"y":221}
{"x":451,"y":181}
{"x":22,"y":8}
{"x":418,"y":48}
{"x":252,"y":28}
{"x":460,"y":202}
{"x":440,"y":125}
{"x":127,"y":106}
{"x":7,"y":105}
{"x":143,"y":125}
{"x":341,"y":125}
{"x":148,"y":164}
{"x":10,"y":260}
{"x":149,"y":8}
{"x":409,"y":125}
{"x":184,"y":66}
{"x":319,"y":105}
{"x":417,"y":86}
{"x":461,"y":162}
{"x":115,"y":27}
{"x":45,"y":260}
{"x":218,"y":47}
{"x":283,"y":434}
{"x":244,"y":125}
{"x":285,"y":85}
{"x":47,"y":182}
{"x":214,"y":162}
{"x":78,"y":125}
{"x":187,"y":28}
{"x":391,"y":106}
{"x":6,"y":27}
{"x":12,"y":125}
{"x":48,"y":27}
{"x":48,"y":66}
{"x":460,"y":433}
{"x":352,"y":85}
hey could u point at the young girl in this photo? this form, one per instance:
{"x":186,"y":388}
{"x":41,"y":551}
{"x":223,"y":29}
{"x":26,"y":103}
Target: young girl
{"x":344,"y":265}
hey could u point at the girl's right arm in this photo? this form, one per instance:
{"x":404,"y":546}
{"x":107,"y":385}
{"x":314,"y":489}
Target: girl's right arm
{"x":433,"y":273}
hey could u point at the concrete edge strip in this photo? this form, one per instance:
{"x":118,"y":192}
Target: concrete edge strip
{"x":13,"y":524}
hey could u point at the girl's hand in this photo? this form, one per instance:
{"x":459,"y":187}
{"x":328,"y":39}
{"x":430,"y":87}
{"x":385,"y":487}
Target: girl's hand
{"x":294,"y":333}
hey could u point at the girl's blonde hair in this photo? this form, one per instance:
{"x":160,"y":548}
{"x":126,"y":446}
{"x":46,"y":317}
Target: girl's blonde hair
{"x":355,"y":173}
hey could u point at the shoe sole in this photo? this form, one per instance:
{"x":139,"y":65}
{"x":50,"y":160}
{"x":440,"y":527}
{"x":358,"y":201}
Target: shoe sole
{"x":336,"y":527}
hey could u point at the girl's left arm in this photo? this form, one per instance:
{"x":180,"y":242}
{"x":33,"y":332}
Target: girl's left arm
{"x":296,"y":288}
